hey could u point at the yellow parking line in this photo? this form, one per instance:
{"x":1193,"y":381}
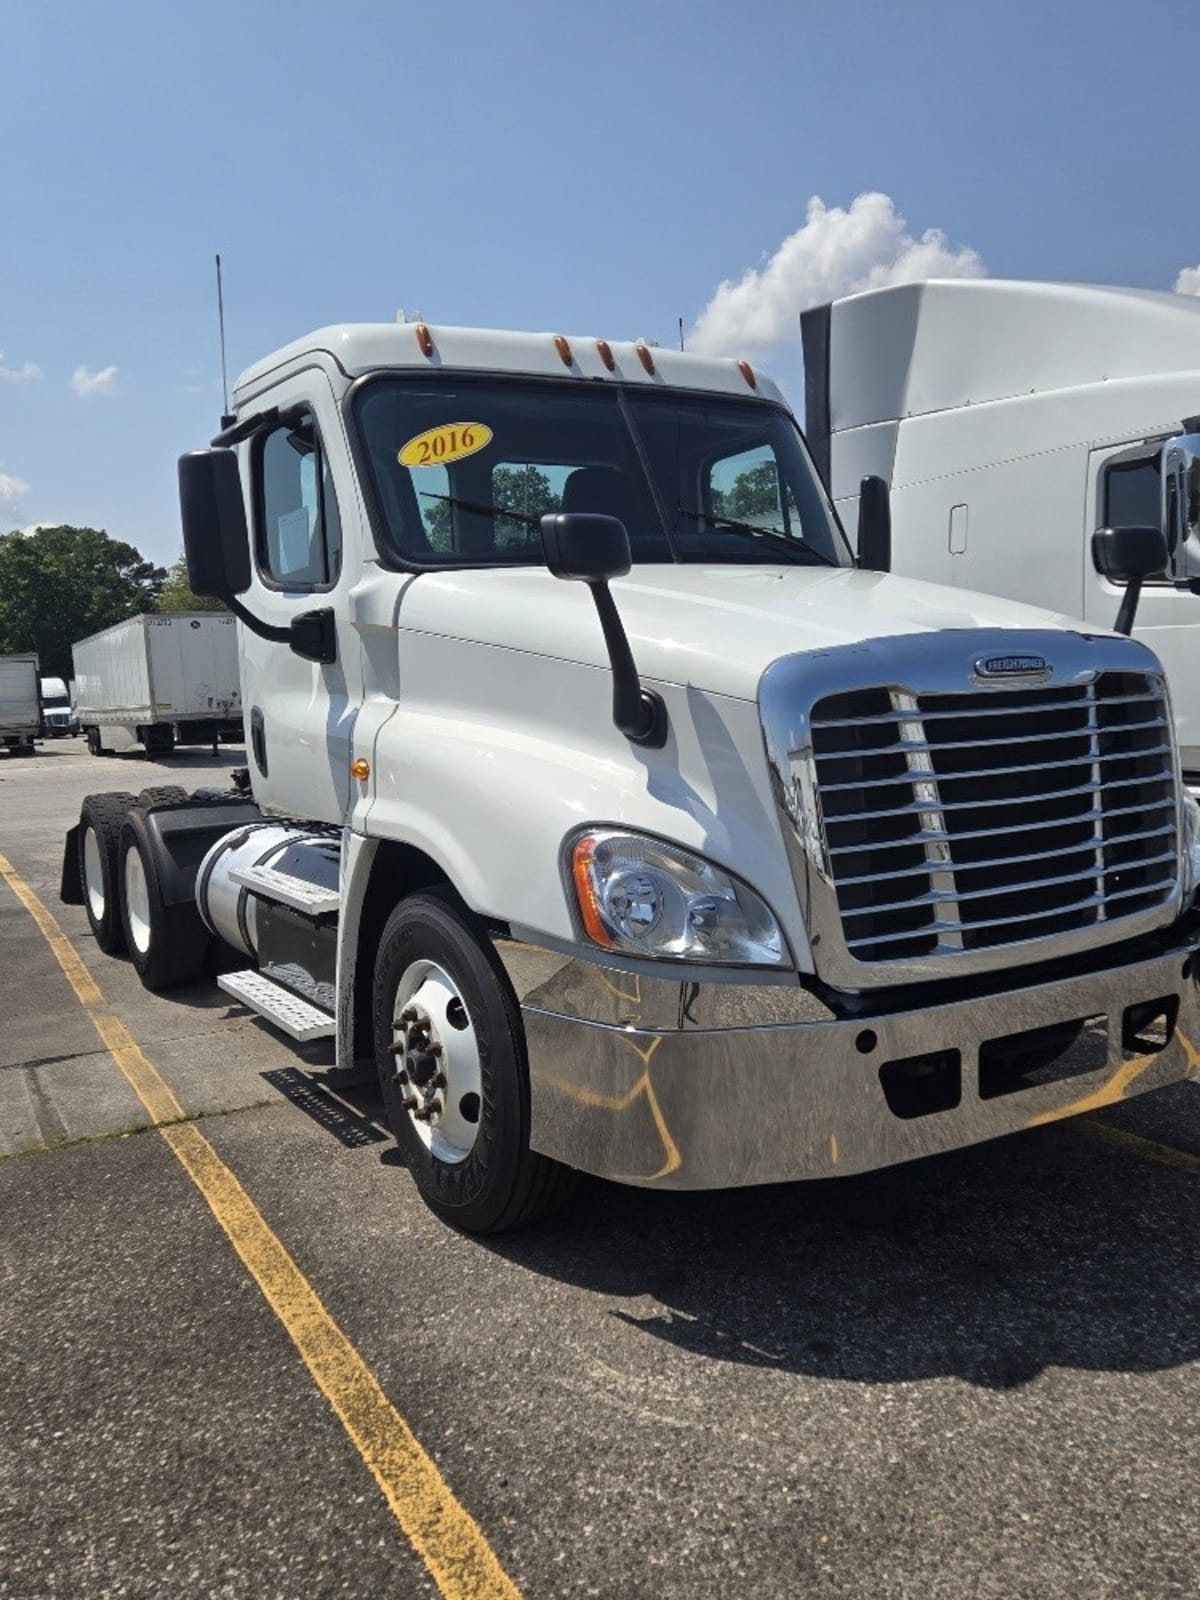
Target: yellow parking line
{"x":1150,"y":1149}
{"x":441,"y":1530}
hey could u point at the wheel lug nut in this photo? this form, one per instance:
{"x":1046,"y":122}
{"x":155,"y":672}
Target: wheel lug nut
{"x":438,"y":1081}
{"x":409,"y":1014}
{"x":433,"y":1049}
{"x":401,"y":1076}
{"x":410,"y":1103}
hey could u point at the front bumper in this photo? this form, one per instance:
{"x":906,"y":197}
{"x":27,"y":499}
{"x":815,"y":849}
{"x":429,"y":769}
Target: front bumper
{"x":701,"y":1086}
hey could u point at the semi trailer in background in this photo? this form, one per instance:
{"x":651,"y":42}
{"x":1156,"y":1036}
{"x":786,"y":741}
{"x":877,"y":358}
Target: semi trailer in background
{"x":20,"y":703}
{"x":58,"y":713}
{"x":726,"y":861}
{"x":155,"y":682}
{"x":1012,"y":420}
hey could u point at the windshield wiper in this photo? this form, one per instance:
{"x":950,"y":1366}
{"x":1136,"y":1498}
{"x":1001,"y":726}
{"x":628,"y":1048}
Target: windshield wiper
{"x":483,"y":509}
{"x":802,"y":554}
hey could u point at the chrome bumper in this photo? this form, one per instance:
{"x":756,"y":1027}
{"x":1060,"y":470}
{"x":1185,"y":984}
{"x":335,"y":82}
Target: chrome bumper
{"x":703,"y":1086}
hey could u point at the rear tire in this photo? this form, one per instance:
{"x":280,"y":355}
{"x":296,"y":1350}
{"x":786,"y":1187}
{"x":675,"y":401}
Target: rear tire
{"x":163,"y":794}
{"x":168,"y":945}
{"x":100,"y":822}
{"x":472,"y":1166}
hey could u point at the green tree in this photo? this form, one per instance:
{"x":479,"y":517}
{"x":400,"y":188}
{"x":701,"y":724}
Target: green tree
{"x":57,"y":585}
{"x":753,"y":494}
{"x":178,"y":595}
{"x":521,"y":490}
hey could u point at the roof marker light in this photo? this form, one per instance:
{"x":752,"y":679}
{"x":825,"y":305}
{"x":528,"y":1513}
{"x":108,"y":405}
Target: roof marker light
{"x":424,"y":339}
{"x":606,"y":355}
{"x":564,"y":350}
{"x":747,"y":372}
{"x":645,"y":358}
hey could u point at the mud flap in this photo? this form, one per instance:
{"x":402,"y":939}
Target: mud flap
{"x":70,"y":889}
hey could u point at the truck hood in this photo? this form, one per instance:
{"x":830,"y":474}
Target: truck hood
{"x":717,"y":628}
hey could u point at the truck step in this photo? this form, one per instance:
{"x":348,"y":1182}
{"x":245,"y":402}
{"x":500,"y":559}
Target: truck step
{"x":295,"y":892}
{"x":286,"y":1011}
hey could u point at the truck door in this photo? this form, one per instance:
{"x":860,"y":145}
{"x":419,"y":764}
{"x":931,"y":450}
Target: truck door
{"x":299,"y":714}
{"x":1124,"y":490}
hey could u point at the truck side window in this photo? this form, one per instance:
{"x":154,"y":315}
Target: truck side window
{"x":299,"y":530}
{"x":746,"y":487}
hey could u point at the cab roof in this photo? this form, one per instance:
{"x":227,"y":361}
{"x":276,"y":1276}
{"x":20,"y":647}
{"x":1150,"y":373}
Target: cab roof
{"x":361,"y":347}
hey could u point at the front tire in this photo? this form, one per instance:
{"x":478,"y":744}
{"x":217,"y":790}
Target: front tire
{"x":168,"y":944}
{"x":100,"y":822}
{"x":457,"y":1093}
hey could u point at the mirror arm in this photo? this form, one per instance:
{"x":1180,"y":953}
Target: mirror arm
{"x":640,"y":714}
{"x":1128,"y":607}
{"x":256,"y":625}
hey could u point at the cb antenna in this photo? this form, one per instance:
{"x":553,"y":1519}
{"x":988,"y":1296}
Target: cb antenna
{"x":226,"y":419}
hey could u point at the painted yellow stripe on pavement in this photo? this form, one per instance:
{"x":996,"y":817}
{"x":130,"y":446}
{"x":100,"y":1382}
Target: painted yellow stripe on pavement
{"x":440,"y":1529}
{"x":1138,"y":1145}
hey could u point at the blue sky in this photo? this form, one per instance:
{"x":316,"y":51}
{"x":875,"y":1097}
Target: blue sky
{"x":596,"y":168}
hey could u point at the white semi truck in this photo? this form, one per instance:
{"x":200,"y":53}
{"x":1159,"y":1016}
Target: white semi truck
{"x":58,"y":713}
{"x":1013,"y":419}
{"x":154,"y":682}
{"x":20,"y":703}
{"x":723,"y":862}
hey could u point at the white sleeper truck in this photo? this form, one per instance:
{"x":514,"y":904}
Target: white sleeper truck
{"x":723,"y":861}
{"x":154,"y":682}
{"x":1012,"y":420}
{"x":20,"y":703}
{"x":58,"y":714}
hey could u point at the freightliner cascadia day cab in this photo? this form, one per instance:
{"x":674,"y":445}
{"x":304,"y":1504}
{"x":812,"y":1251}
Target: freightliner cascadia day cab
{"x":58,"y":714}
{"x":723,"y":861}
{"x":153,"y":682}
{"x":1012,"y":420}
{"x":20,"y":703}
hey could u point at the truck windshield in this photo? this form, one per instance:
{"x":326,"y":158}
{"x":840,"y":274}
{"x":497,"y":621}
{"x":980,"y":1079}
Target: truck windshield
{"x":462,"y":470}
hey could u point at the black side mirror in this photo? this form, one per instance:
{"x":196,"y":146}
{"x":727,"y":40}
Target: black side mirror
{"x":580,"y":544}
{"x":313,"y":637}
{"x":216,"y":540}
{"x":593,"y":549}
{"x":874,"y":525}
{"x":1129,"y":556}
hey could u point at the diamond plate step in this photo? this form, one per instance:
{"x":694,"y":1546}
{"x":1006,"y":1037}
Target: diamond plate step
{"x":288,"y":1012}
{"x":295,"y":892}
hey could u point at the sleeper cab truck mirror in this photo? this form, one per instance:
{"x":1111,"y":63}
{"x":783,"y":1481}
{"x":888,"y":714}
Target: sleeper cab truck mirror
{"x":874,"y":525}
{"x":216,"y":541}
{"x":592,"y":549}
{"x":1129,"y":556}
{"x":1180,"y":474}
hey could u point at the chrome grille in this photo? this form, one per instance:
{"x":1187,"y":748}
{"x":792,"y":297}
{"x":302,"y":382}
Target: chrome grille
{"x":958,"y":822}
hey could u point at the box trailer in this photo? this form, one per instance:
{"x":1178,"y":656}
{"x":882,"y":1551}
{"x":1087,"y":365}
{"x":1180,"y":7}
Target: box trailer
{"x":159,"y":681}
{"x":20,"y":703}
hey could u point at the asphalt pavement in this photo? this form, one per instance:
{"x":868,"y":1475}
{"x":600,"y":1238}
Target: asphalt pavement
{"x":975,"y":1376}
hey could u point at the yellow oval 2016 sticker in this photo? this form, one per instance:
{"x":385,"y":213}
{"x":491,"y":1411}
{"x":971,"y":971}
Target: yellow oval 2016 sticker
{"x":449,"y":442}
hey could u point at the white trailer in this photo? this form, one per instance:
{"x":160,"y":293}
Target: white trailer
{"x":20,"y":703}
{"x":159,"y":681}
{"x":721,"y":863}
{"x":1012,"y":420}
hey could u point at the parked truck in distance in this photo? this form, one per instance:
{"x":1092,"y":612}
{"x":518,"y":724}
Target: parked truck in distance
{"x":627,"y":825}
{"x":157,"y":682}
{"x":1012,"y":420}
{"x":58,"y":713}
{"x":20,"y":703}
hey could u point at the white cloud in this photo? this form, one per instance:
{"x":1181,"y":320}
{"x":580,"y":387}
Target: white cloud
{"x":836,"y":252}
{"x":12,"y":489}
{"x":86,"y":383}
{"x":28,"y":372}
{"x":1188,"y":281}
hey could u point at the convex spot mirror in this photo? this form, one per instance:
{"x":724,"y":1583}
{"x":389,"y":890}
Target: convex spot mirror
{"x":1180,"y":474}
{"x":216,"y":541}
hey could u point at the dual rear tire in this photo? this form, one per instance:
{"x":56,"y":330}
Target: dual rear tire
{"x":123,"y":895}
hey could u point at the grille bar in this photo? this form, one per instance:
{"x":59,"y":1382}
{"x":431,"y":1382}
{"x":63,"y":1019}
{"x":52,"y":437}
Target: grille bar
{"x":1017,"y":827}
{"x":1008,"y":861}
{"x":943,"y":837}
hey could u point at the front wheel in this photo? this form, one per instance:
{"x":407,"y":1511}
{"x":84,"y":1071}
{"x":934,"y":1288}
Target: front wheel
{"x":451,"y":1056}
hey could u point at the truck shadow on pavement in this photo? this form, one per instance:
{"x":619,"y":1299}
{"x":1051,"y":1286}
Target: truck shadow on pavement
{"x":988,"y":1265}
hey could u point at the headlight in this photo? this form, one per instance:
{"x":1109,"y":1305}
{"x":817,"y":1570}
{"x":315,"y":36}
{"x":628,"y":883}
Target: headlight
{"x":647,"y":898}
{"x":1191,"y":848}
